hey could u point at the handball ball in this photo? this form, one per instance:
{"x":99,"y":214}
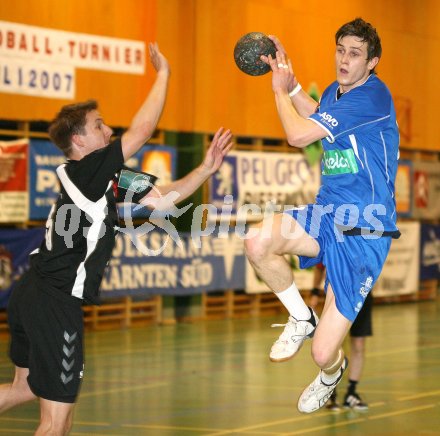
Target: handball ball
{"x":248,"y":50}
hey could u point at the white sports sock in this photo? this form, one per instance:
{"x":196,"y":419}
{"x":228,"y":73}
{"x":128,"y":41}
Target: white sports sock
{"x":329,"y":379}
{"x":293,"y":302}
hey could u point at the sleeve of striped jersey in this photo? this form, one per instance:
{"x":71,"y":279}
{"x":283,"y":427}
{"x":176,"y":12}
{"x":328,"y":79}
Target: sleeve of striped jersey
{"x":92,"y":173}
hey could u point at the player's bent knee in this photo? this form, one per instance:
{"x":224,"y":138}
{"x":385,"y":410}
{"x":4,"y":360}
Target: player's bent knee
{"x":256,"y":248}
{"x":25,"y":393}
{"x":323,"y":357}
{"x":28,"y":395}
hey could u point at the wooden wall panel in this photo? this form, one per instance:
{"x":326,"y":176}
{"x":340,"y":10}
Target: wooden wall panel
{"x":177,"y":40}
{"x":217,"y":93}
{"x":207,"y":89}
{"x":119,"y":94}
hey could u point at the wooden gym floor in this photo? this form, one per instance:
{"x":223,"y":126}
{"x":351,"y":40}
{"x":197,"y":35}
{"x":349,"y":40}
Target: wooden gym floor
{"x":214,"y":378}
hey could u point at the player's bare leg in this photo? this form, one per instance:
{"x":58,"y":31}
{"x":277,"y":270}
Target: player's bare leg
{"x":328,"y":355}
{"x":17,"y":392}
{"x":270,"y":241}
{"x":56,"y":418}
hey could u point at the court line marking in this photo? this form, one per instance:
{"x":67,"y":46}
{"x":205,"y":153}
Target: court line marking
{"x":325,"y":427}
{"x":365,"y":389}
{"x":88,"y":433}
{"x":321,"y":427}
{"x":262,"y":432}
{"x":5,"y":418}
{"x":417,"y":396}
{"x":362,"y":419}
{"x":187,"y":346}
{"x":401,"y":350}
{"x":400,"y":412}
{"x":128,"y":388}
{"x":92,"y":423}
{"x":169,"y":427}
{"x":171,"y":347}
{"x":254,"y":427}
{"x":377,"y":404}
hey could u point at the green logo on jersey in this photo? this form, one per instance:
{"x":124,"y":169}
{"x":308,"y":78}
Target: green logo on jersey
{"x":135,"y":181}
{"x":339,"y":162}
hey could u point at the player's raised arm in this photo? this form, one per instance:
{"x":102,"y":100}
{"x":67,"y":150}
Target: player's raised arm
{"x":300,"y":131}
{"x":145,"y":121}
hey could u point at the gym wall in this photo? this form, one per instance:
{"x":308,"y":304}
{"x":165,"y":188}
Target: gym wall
{"x":207,"y":89}
{"x":119,"y":94}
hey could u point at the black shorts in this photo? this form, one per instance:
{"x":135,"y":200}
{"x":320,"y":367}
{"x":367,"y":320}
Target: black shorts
{"x":362,"y":325}
{"x":47,"y":337}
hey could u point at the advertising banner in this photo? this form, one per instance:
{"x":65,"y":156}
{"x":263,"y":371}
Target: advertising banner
{"x":154,"y":264}
{"x":426,"y":190}
{"x":44,"y":158}
{"x":400,"y":274}
{"x":14,"y":197}
{"x":42,"y":62}
{"x":21,"y":76}
{"x":81,"y":50}
{"x":248,"y":181}
{"x":15,"y":246}
{"x":430,"y":252}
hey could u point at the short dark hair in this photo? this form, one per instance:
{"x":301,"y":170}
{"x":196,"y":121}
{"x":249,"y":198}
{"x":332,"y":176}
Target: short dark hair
{"x":365,"y":32}
{"x":70,"y":121}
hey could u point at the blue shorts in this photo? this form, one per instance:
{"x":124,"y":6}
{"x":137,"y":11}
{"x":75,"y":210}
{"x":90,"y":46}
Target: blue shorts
{"x":353,"y":263}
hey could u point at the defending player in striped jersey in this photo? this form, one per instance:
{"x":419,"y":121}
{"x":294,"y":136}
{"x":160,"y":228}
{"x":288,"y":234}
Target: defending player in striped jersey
{"x":44,"y":311}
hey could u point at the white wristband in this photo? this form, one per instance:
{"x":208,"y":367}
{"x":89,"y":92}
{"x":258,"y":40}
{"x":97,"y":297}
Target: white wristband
{"x":295,"y":90}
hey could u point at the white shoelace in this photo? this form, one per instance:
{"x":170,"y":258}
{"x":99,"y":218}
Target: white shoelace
{"x":287,"y":334}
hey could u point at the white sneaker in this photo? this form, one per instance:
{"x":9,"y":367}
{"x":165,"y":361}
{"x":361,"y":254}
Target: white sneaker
{"x":317,"y":393}
{"x":294,"y":334}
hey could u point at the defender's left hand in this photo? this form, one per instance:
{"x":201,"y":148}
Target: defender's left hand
{"x":219,"y":148}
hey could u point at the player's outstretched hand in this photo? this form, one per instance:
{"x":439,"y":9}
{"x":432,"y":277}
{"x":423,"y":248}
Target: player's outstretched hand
{"x":219,"y":148}
{"x":159,"y":61}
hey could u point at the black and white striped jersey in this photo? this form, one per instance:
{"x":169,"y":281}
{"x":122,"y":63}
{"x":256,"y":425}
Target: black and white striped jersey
{"x":81,"y":228}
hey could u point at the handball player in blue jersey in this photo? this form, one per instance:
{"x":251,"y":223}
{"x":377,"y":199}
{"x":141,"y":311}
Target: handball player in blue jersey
{"x":350,"y":227}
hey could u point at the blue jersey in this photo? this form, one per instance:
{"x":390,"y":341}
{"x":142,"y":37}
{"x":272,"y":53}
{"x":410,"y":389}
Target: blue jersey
{"x":359,"y":163}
